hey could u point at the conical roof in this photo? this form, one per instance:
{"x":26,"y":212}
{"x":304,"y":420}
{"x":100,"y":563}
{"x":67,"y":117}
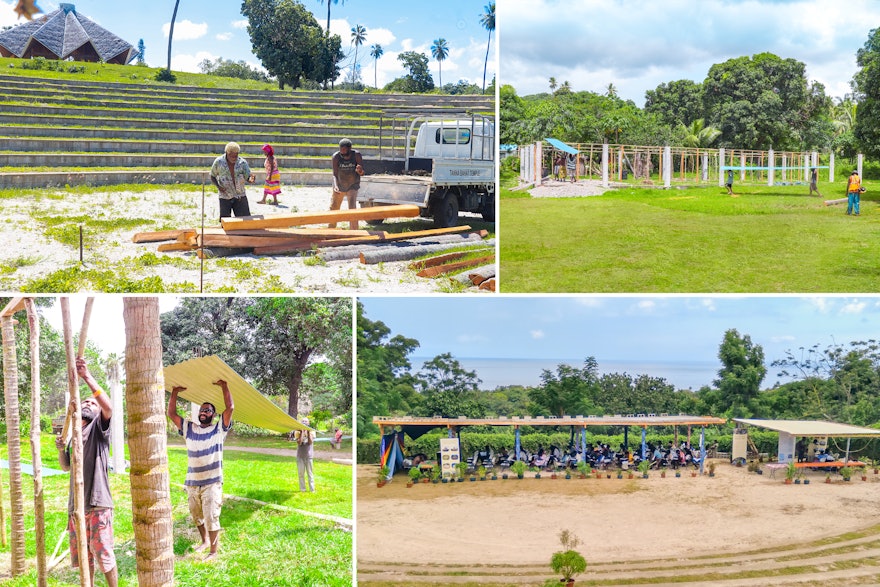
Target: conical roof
{"x":65,"y":33}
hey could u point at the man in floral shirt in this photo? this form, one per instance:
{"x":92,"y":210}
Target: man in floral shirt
{"x":230,"y":173}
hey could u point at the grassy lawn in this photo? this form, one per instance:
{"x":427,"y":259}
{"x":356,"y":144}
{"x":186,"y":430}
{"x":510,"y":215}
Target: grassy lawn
{"x":769,"y":239}
{"x":258,"y":545}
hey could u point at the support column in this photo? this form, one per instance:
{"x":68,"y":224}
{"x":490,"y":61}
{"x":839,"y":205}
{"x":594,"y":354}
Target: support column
{"x":860,"y":159}
{"x":667,"y":167}
{"x":702,"y":448}
{"x":644,"y":443}
{"x":721,"y":168}
{"x":771,"y":168}
{"x":742,"y":165}
{"x":605,"y":165}
{"x":516,"y":444}
{"x":831,"y":168}
{"x":784,"y":166}
{"x":539,"y":163}
{"x":705,"y":166}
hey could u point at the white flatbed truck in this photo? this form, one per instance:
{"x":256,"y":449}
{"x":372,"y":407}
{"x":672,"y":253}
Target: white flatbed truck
{"x":445,"y":165}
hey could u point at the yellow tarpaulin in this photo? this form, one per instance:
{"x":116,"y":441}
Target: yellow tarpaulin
{"x":251,"y":407}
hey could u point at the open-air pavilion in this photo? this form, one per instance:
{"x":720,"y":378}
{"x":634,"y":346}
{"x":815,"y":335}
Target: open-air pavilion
{"x":790,"y":430}
{"x":417,"y":426}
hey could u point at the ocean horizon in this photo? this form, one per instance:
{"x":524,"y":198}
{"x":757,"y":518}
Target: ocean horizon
{"x":497,"y":372}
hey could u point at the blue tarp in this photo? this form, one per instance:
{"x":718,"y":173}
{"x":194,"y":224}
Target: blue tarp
{"x":28,"y":469}
{"x":562,"y":146}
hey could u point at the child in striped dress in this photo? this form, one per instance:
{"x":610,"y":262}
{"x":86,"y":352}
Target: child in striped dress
{"x":272,"y":187}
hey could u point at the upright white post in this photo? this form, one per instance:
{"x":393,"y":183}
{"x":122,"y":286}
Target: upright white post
{"x":705,"y":166}
{"x":721,"y":168}
{"x":814,"y":159}
{"x":620,"y":164}
{"x":831,"y":168}
{"x":806,"y":167}
{"x":860,"y":159}
{"x":605,"y":165}
{"x":667,"y":167}
{"x":539,"y":163}
{"x":771,"y":167}
{"x":742,"y":165}
{"x":784,"y":166}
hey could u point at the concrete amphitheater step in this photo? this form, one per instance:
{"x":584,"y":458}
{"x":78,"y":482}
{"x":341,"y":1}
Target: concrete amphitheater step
{"x":31,"y":180}
{"x":382,"y":99}
{"x":276,"y":138}
{"x":38,"y":146}
{"x":146,"y":160}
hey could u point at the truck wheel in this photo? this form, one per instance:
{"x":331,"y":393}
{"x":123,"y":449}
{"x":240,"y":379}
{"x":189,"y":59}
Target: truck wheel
{"x":446,"y":211}
{"x":488,"y":210}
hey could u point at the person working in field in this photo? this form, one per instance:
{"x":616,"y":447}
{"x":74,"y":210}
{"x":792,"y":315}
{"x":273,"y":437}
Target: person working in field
{"x":729,"y":182}
{"x":204,"y":472}
{"x":347,"y":171}
{"x":230,"y":173}
{"x":305,"y":451}
{"x":853,"y":192}
{"x":98,"y":503}
{"x":814,"y":182}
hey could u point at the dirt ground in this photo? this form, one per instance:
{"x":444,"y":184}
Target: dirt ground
{"x":518,"y":521}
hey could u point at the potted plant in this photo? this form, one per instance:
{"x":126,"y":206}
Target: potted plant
{"x":630,"y":474}
{"x":827,"y":477}
{"x":620,"y":473}
{"x":663,"y":473}
{"x":414,"y":476}
{"x":519,"y":468}
{"x":711,"y":469}
{"x":568,"y":562}
{"x":494,"y":476}
{"x":436,"y":475}
{"x":803,"y":476}
{"x":694,"y":473}
{"x":846,"y":473}
{"x":481,"y":472}
{"x":583,"y":469}
{"x":382,"y":479}
{"x":462,"y":470}
{"x":643,"y":468}
{"x":874,"y":464}
{"x":864,"y":473}
{"x":677,"y":473}
{"x":567,"y":473}
{"x":790,"y":473}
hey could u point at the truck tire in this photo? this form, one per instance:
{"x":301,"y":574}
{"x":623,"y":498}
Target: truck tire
{"x":446,"y":211}
{"x":488,"y":210}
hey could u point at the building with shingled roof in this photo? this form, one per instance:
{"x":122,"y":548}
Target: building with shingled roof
{"x":64,"y":34}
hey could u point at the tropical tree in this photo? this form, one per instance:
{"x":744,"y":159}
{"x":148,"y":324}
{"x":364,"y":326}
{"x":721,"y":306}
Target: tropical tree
{"x":866,"y":84}
{"x":328,"y":12}
{"x":150,"y":484}
{"x":570,"y":390}
{"x":171,"y":33}
{"x":677,"y":102}
{"x":698,"y":135}
{"x":487,"y":19}
{"x":13,"y":439}
{"x":553,"y":84}
{"x":141,"y":50}
{"x":418,"y":79}
{"x":358,"y":36}
{"x":376,"y":51}
{"x":611,"y":91}
{"x":440,"y":50}
{"x":739,"y":379}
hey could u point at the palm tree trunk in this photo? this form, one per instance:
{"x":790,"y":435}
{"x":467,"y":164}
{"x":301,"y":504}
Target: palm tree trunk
{"x":486,"y":61}
{"x":36,"y":457}
{"x":76,"y":472}
{"x":171,"y":32}
{"x":440,"y":71}
{"x":150,"y":489}
{"x":375,"y":74}
{"x":13,"y":439}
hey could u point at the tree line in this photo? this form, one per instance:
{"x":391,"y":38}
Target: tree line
{"x":839,"y":383}
{"x":758,"y":102}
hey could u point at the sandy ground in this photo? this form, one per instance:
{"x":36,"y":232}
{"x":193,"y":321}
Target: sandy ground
{"x":23,"y":236}
{"x":564,"y":189}
{"x":518,"y":521}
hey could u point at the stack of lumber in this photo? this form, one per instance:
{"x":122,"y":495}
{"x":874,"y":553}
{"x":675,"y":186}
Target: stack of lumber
{"x":290,"y":233}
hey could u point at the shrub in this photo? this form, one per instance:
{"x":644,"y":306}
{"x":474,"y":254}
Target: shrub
{"x":165,"y":75}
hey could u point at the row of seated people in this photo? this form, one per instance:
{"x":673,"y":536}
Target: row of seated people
{"x":597,"y":457}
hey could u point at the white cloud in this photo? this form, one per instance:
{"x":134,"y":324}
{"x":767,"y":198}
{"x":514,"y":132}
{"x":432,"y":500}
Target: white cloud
{"x":190,"y":63}
{"x":223,"y":36}
{"x":536,"y":334}
{"x":708,"y":304}
{"x":646,"y":305}
{"x":240,"y":24}
{"x":7,"y":16}
{"x":186,"y":30}
{"x":823,"y":305}
{"x":853,"y":307}
{"x":782,"y":338}
{"x":589,"y":301}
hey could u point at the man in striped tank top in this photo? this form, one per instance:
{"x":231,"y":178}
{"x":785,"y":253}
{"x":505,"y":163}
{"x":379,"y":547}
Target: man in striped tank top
{"x":204,"y":473}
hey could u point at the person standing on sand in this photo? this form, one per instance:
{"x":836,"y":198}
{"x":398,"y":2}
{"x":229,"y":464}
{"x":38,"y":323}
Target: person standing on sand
{"x":347,"y":171}
{"x":571,"y":167}
{"x":272,"y":185}
{"x":226,"y":171}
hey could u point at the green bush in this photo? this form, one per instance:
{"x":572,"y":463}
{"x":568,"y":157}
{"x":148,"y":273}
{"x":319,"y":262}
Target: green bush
{"x":165,"y":75}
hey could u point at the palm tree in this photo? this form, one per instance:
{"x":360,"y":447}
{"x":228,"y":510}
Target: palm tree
{"x":13,"y":437}
{"x":358,"y":36}
{"x":440,"y":50}
{"x":328,"y":12}
{"x":376,"y":51}
{"x":699,"y":135}
{"x":39,"y":503}
{"x":171,"y":32}
{"x":611,"y":91}
{"x":487,"y":19}
{"x":150,"y":488}
{"x":553,"y":84}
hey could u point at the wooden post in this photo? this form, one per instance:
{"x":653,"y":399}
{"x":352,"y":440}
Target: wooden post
{"x":36,"y":457}
{"x":79,"y":516}
{"x":13,"y":439}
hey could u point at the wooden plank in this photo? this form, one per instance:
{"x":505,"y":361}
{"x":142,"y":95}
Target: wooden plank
{"x":170,"y":247}
{"x":330,"y":216}
{"x":450,"y":267}
{"x":14,"y":305}
{"x":217,"y":252}
{"x":157,"y":236}
{"x":438,"y":260}
{"x":244,"y":242}
{"x":837,"y":201}
{"x":430,"y":232}
{"x":280,"y":249}
{"x":304,"y":233}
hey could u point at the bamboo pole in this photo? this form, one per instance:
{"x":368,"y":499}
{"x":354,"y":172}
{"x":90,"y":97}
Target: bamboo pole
{"x":36,"y":457}
{"x":79,"y":516}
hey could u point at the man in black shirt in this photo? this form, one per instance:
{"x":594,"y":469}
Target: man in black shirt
{"x":347,"y":172}
{"x":96,"y":412}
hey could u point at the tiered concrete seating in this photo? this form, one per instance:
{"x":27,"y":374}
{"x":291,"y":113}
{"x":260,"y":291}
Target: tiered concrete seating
{"x":58,"y":132}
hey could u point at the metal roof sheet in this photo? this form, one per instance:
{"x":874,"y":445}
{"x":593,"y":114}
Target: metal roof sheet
{"x":811,"y":427}
{"x":251,"y":407}
{"x":557,"y":144}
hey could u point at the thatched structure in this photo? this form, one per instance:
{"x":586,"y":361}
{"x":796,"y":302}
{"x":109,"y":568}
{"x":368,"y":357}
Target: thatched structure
{"x":65,"y":34}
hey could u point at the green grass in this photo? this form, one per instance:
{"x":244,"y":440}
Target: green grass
{"x":259,"y":546}
{"x":769,"y":239}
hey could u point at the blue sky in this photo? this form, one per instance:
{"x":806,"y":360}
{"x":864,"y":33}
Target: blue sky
{"x":630,"y":329}
{"x":207,"y":30}
{"x":637,"y":45}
